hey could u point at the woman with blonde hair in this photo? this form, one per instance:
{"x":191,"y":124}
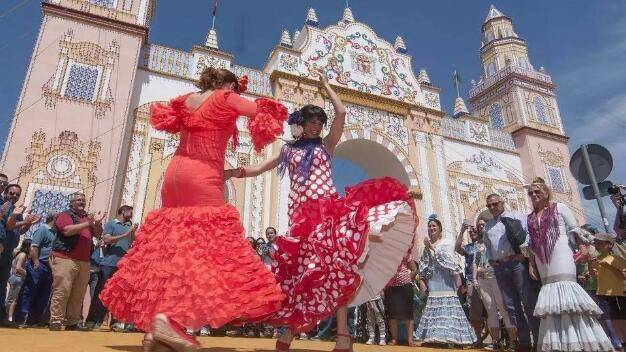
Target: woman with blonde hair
{"x":569,"y":317}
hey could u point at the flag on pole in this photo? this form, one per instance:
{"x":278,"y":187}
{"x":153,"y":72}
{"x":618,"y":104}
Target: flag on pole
{"x":214,"y":13}
{"x":456,"y":79}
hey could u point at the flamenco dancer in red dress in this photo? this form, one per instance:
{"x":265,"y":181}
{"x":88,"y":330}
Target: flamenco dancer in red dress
{"x":338,"y":251}
{"x":190,"y":264}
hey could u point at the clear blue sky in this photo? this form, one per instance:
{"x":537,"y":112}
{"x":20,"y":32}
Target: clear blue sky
{"x":581,"y":43}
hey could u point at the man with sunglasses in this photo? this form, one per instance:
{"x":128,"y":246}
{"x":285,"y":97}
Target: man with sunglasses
{"x":511,"y":269}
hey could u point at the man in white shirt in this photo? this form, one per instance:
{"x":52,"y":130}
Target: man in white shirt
{"x":511,"y":268}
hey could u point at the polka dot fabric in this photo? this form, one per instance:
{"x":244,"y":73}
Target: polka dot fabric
{"x":317,"y":262}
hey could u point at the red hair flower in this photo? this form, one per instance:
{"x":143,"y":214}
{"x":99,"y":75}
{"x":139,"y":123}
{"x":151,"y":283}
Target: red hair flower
{"x":242,"y":84}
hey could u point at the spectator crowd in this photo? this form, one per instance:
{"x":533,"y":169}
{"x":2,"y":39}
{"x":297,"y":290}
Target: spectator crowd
{"x":480,"y":288}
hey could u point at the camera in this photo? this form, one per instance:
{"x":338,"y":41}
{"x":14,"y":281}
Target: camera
{"x":614,"y":189}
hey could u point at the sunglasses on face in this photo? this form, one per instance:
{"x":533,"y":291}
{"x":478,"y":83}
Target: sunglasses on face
{"x":530,"y":193}
{"x":492,"y":205}
{"x":4,"y":183}
{"x":13,"y":193}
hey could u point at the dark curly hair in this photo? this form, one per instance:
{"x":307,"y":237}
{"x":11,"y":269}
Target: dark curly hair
{"x":310,"y":112}
{"x":214,"y":78}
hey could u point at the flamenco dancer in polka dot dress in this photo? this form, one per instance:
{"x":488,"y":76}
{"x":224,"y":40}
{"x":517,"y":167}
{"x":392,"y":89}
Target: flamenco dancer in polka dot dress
{"x":338,"y":251}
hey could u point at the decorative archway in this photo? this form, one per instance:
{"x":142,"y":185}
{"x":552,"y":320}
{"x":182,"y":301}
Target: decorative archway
{"x":383,"y":148}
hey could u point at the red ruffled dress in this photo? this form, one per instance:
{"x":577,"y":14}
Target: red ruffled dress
{"x":190,"y":259}
{"x":338,"y":251}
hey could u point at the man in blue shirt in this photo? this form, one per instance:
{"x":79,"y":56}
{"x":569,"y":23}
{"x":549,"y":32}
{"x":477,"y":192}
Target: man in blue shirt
{"x":511,"y":268}
{"x":14,"y":224}
{"x":38,"y":285}
{"x":118,"y":236}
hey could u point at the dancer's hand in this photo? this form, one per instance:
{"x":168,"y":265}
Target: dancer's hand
{"x":415,"y":195}
{"x":323,"y":77}
{"x":228,"y":174}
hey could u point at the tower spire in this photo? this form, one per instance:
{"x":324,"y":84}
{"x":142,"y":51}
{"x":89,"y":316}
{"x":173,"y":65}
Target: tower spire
{"x":493,"y":13}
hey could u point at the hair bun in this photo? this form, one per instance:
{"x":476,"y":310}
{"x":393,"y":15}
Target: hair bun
{"x":539,"y":180}
{"x":214,"y":78}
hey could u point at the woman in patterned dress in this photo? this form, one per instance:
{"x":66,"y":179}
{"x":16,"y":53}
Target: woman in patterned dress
{"x":443,"y":320}
{"x":569,"y":317}
{"x":326,"y":260}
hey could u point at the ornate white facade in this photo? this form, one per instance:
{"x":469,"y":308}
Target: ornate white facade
{"x":395,"y":125}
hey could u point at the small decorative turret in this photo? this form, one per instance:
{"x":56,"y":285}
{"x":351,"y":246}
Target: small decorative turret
{"x":399,"y":45}
{"x":311,"y":18}
{"x":347,"y":16}
{"x":211,"y":40}
{"x":423,"y":77}
{"x":459,"y":108}
{"x":285,"y":39}
{"x":296,"y":34}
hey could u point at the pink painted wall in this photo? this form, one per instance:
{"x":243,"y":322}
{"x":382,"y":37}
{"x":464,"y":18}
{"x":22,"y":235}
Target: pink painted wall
{"x":32,"y":114}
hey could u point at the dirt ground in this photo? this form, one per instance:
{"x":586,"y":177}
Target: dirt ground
{"x":42,"y":340}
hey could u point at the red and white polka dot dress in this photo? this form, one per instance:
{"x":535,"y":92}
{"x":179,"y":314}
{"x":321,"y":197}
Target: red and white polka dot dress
{"x":338,"y":251}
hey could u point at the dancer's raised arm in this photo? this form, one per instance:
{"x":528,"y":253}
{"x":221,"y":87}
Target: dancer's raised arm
{"x":252,"y":170}
{"x":336,"y":129}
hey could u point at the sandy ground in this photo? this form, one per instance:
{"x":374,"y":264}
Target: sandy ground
{"x":42,"y":340}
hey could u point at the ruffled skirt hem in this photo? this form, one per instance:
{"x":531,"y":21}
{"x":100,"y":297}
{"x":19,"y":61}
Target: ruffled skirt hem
{"x":572,"y":333}
{"x":348,"y":256}
{"x":569,"y":319}
{"x":444,"y":321}
{"x":194,"y":265}
{"x":564,"y":297}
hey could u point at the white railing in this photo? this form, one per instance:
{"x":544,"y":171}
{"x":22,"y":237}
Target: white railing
{"x":453,"y":128}
{"x":489,"y":81}
{"x":167,"y":60}
{"x":456,"y":129}
{"x":178,"y":63}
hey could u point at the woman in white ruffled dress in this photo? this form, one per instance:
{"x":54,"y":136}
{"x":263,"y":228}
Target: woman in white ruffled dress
{"x":569,"y":317}
{"x":443,"y":320}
